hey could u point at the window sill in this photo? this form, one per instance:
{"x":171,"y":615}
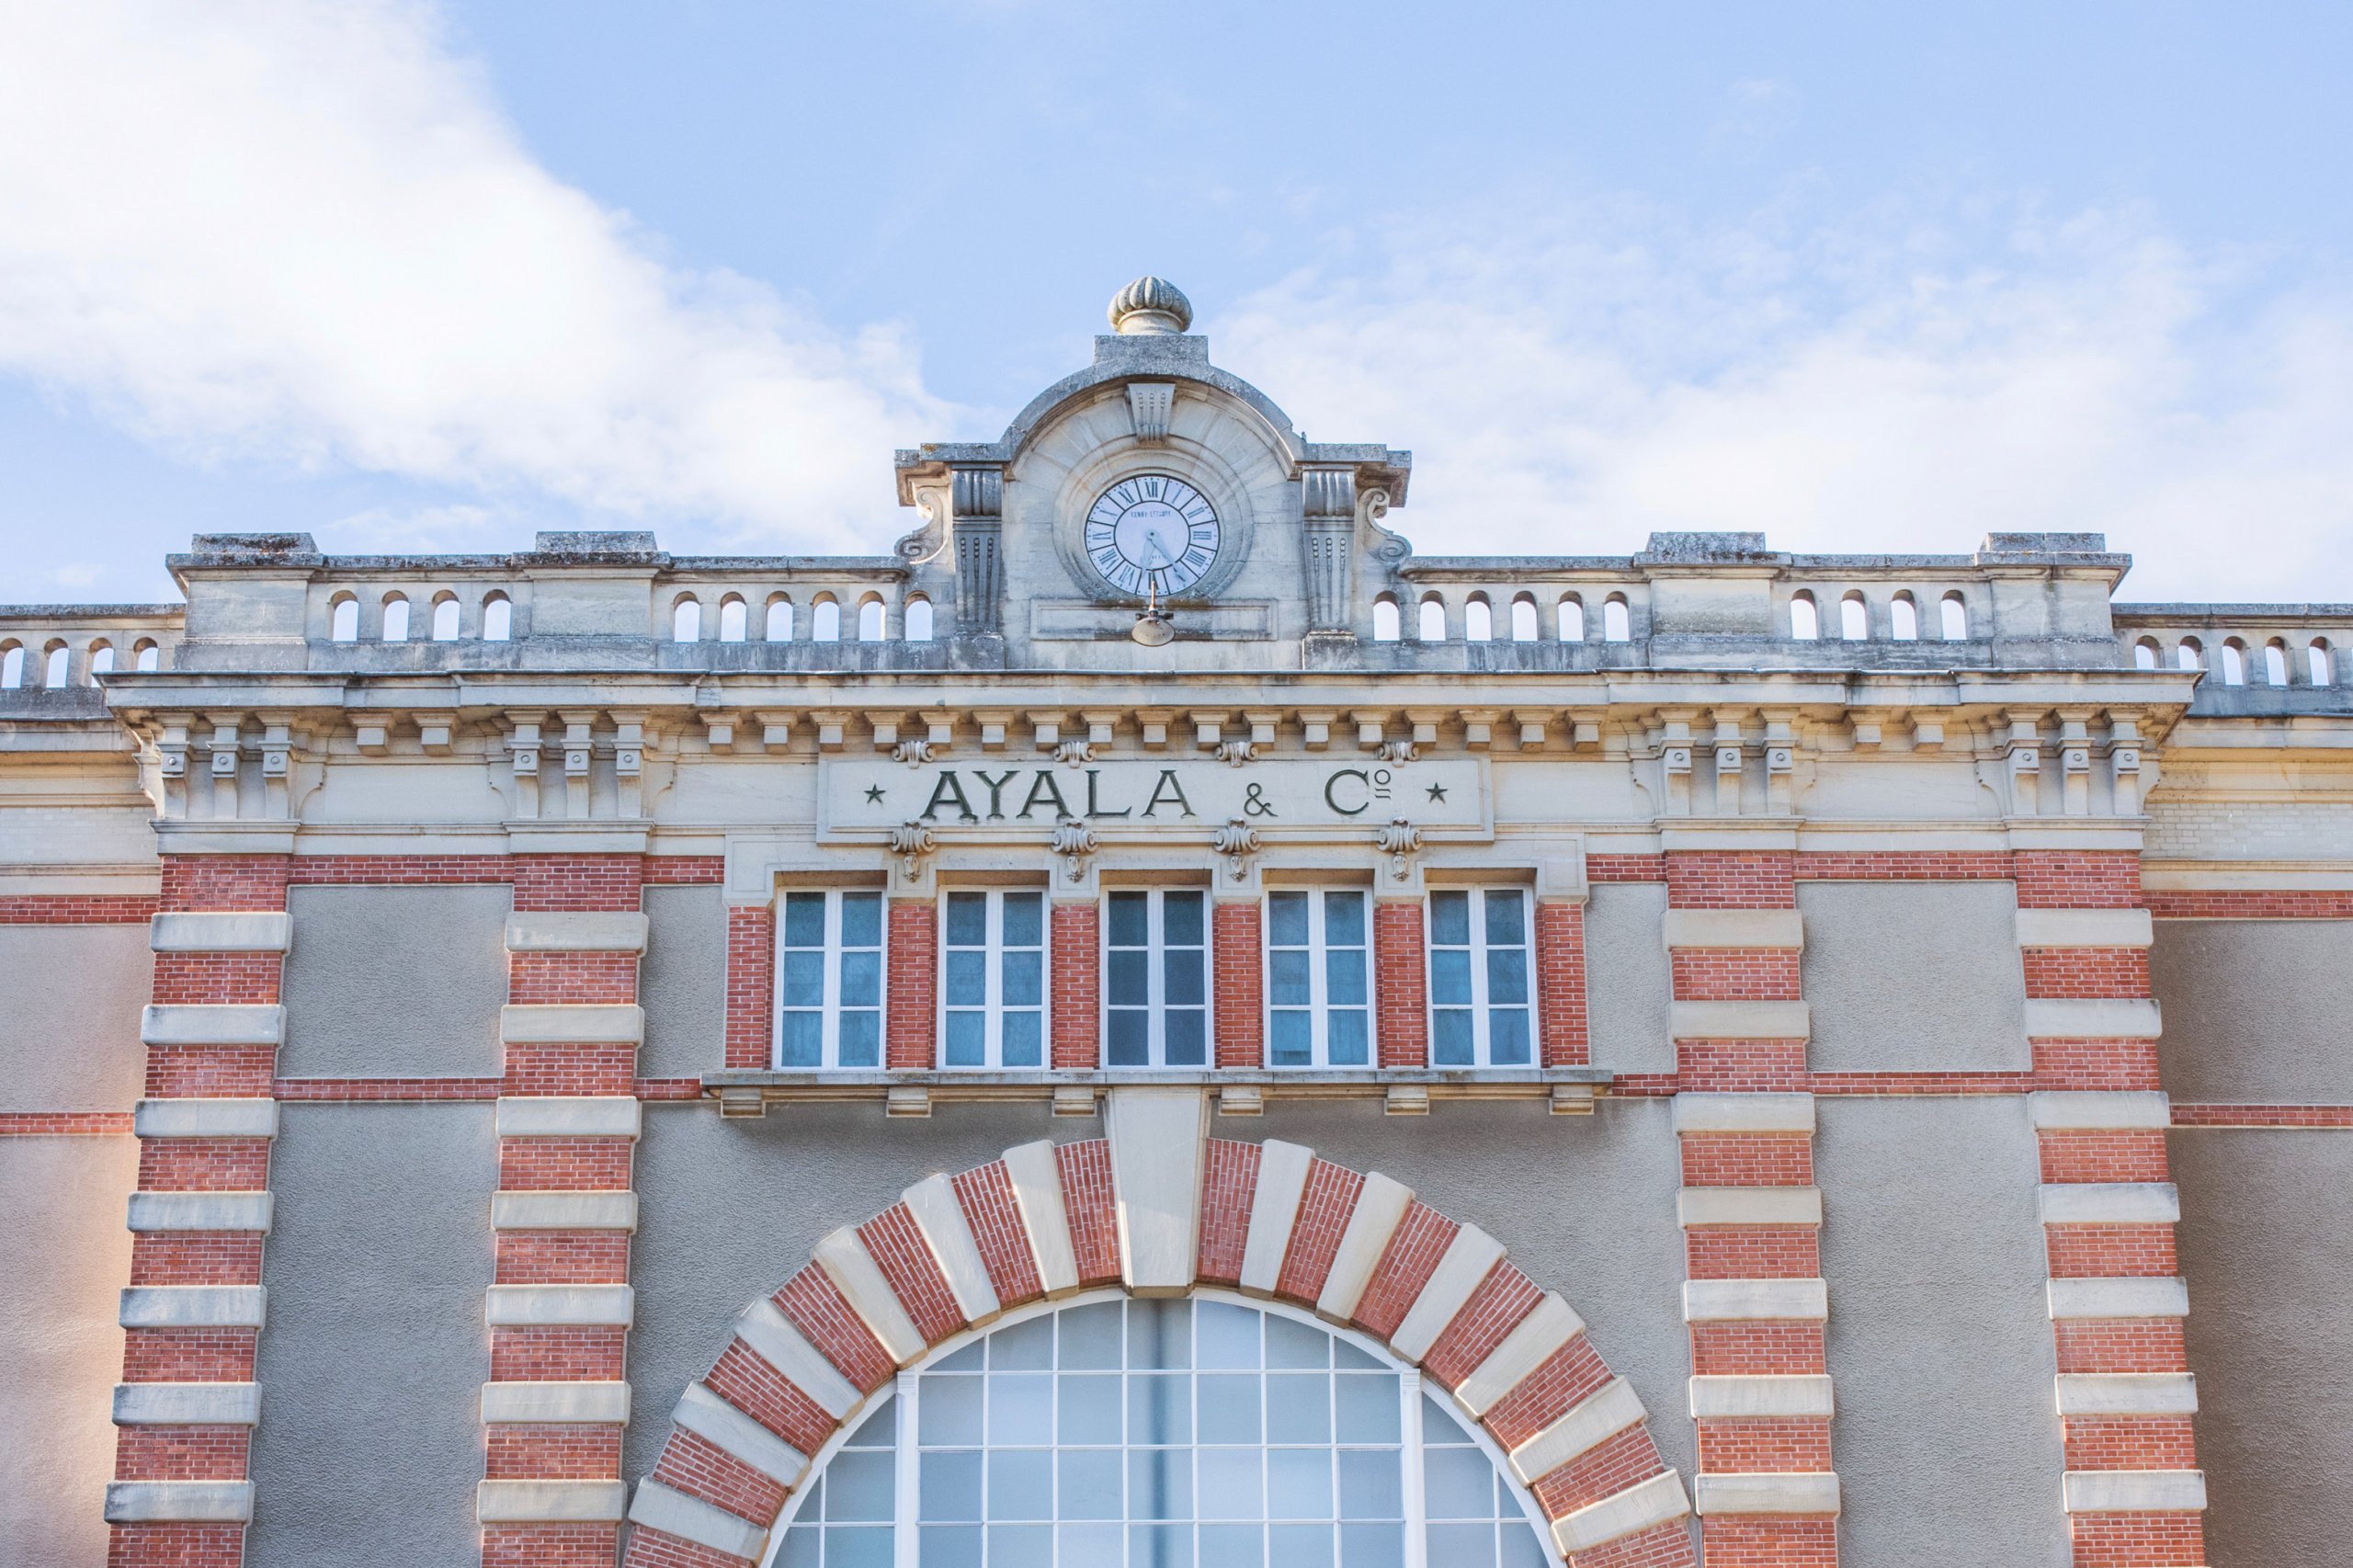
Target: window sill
{"x":1238,"y":1091}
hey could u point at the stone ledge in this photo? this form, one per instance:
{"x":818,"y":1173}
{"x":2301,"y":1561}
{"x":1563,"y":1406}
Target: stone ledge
{"x":179,"y":1502}
{"x":570,"y":1116}
{"x":550,"y":1501}
{"x":1722,"y":1301}
{"x":153,"y":1212}
{"x":616,"y":1023}
{"x":1657,"y":1501}
{"x":1739,"y":1020}
{"x":528,"y":1403}
{"x":527,"y":1306}
{"x":2152,"y":1298}
{"x":2127,"y":1393}
{"x":1776,"y":928}
{"x":207,"y":931}
{"x":187,"y":1405}
{"x":2074,"y":1111}
{"x":2075,"y":1020}
{"x":1602,"y":1414}
{"x":205,"y":1118}
{"x":1788,"y":1492}
{"x":2134,"y":1490}
{"x":2084,"y":928}
{"x":2109,"y":1203}
{"x":1795,"y":1396}
{"x":1552,"y":1324}
{"x":714,"y":1420}
{"x":194,"y":1306}
{"x":1743,"y":1113}
{"x":673,"y":1512}
{"x":212,"y":1024}
{"x":1696,"y":1206}
{"x":563,"y":1210}
{"x":577,"y":931}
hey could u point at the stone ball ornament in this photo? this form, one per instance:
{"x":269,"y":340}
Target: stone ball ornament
{"x":1150,"y":307}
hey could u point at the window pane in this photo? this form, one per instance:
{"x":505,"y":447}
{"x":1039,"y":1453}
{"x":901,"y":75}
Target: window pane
{"x":1024,"y":1346}
{"x":1234,"y":1484}
{"x":1505,"y":922}
{"x":1225,"y":1335}
{"x":1128,"y":1042}
{"x":1182,"y":981}
{"x":1024,"y":919}
{"x":950,"y":1486}
{"x":1350,"y":1038}
{"x":1130,"y":976}
{"x":1160,"y":1483}
{"x":861,"y":1039}
{"x":868,"y":1547}
{"x":951,"y":1410}
{"x":1374,"y":1546}
{"x":1299,"y":1407}
{"x":1367,"y":1409}
{"x":1450,"y":977}
{"x":1451,"y":1038}
{"x":1180,"y":919}
{"x":861,"y":978}
{"x":1287,"y":919}
{"x":802,"y":1041}
{"x":1507,"y":1044}
{"x":1160,"y":1334}
{"x":1344,"y":976}
{"x":968,"y":1040}
{"x":1128,"y":925}
{"x":1088,"y":1338}
{"x":804,"y":982}
{"x":1291,"y":1040}
{"x":1025,"y":1036}
{"x":1344,"y":919}
{"x":861,"y":919}
{"x":1300,"y":1546}
{"x":1506,"y":975}
{"x":1457,"y":1483}
{"x":1287,"y":977}
{"x":1024,"y":978}
{"x":967,"y":979}
{"x":968,"y":920}
{"x":804,"y":920}
{"x":1087,"y":1405}
{"x":1160,"y":1408}
{"x":1230,"y":1410}
{"x":1450,"y":918}
{"x":858,"y":1484}
{"x":1088,"y":1483}
{"x":1299,"y":1484}
{"x":1290,"y":1344}
{"x":1021,"y":1483}
{"x":1186,"y":1034}
{"x":957,"y":1547}
{"x":1021,"y":1546}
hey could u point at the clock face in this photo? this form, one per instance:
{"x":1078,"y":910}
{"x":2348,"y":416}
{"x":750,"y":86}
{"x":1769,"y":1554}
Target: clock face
{"x":1152,"y":535}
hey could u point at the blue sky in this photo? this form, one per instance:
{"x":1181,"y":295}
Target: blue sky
{"x":1867,"y":278}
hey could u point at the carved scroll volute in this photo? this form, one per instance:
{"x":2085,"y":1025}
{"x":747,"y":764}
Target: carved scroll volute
{"x":976,"y":526}
{"x":1329,"y":500}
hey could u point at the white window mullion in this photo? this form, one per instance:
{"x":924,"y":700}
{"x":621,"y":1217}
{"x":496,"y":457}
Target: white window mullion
{"x":1319,"y":989}
{"x":1479,"y":1038}
{"x":906,"y":1476}
{"x":832,"y":982}
{"x":1416,"y":1503}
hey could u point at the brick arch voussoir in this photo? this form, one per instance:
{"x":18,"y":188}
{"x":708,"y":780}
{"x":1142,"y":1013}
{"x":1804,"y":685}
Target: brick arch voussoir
{"x":1267,"y":1219}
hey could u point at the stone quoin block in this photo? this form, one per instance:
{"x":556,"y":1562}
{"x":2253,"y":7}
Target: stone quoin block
{"x":2071,"y":1018}
{"x":585,"y":1024}
{"x":2085,"y":928}
{"x":1805,"y":1492}
{"x":2056,"y":1111}
{"x":219,"y":1023}
{"x":1156,"y":1138}
{"x":1739,"y":1020}
{"x":1761,"y":1396}
{"x":708,"y":1417}
{"x":1038,"y":1190}
{"x":570,"y":1116}
{"x":550,"y":1501}
{"x":1379,"y":1206}
{"x":854,"y":1272}
{"x":2127,"y":1393}
{"x":206,"y":1119}
{"x":1743,"y":1113}
{"x":1770,"y":928}
{"x":945,"y":1231}
{"x":2109,"y":1203}
{"x":541,"y":1306}
{"x":577,"y":931}
{"x":1274,"y":1210}
{"x":207,"y":931}
{"x":552,"y":1404}
{"x":2134,"y":1490}
{"x":1698,"y":1206}
{"x":194,"y":1306}
{"x":179,"y":1502}
{"x":166,"y":1211}
{"x":2118,"y":1298}
{"x":1716,"y":1300}
{"x":187,"y":1405}
{"x":539,"y":1210}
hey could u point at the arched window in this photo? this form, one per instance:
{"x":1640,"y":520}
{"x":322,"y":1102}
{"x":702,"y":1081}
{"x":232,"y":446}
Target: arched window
{"x":395,"y":618}
{"x":101,"y":660}
{"x":780,"y":626}
{"x":2187,"y":655}
{"x":2316,"y":664}
{"x":343,"y":619}
{"x":1432,"y":627}
{"x":869,"y":619}
{"x":1523,"y":618}
{"x":145,"y":656}
{"x":497,"y":619}
{"x":918,"y":619}
{"x":826,"y":621}
{"x":1902,"y":618}
{"x":1805,"y":621}
{"x":1954,"y":613}
{"x":1617,"y":625}
{"x":1205,"y":1430}
{"x":2146,"y":654}
{"x":733,"y":620}
{"x":2274,"y":661}
{"x":445,"y":618}
{"x":2233,"y":662}
{"x":1568,"y":618}
{"x":686,"y":620}
{"x":55,"y":665}
{"x":1478,"y":621}
{"x":1854,"y":621}
{"x":1385,"y":619}
{"x":12,"y":667}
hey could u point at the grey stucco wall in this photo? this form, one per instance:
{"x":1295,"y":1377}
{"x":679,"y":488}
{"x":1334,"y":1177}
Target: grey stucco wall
{"x":1913,"y":976}
{"x":60,"y":1348}
{"x":2255,"y":1010}
{"x":71,"y":996}
{"x":387,"y":982}
{"x":682,"y":982}
{"x":1626,"y":977}
{"x":2267,"y":1251}
{"x":370,"y":1445}
{"x":1940,"y":1338}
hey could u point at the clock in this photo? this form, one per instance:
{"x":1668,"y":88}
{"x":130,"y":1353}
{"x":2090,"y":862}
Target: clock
{"x":1152,"y":536}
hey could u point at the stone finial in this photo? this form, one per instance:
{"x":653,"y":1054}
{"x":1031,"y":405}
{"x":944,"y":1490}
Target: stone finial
{"x":1150,"y":307}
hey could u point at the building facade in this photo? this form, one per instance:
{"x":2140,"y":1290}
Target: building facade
{"x":1155,"y":1024}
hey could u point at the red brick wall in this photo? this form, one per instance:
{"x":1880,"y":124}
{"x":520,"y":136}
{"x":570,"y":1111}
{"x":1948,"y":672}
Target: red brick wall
{"x":751,"y":987}
{"x":910,"y":1015}
{"x":1238,"y":971}
{"x":1401,"y":983}
{"x":1076,"y":999}
{"x":1560,"y":984}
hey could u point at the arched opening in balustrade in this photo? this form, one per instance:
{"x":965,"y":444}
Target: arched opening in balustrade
{"x":2318,"y":666}
{"x":780,"y":620}
{"x":1805,"y":621}
{"x":825,"y":620}
{"x":101,"y":661}
{"x":1523,"y":618}
{"x":12,"y":665}
{"x":146,"y":655}
{"x":1478,"y":619}
{"x":2146,"y":654}
{"x":343,"y":619}
{"x":445,"y":616}
{"x":1854,"y":617}
{"x":1430,"y":626}
{"x":497,"y":619}
{"x":1904,"y":618}
{"x":1385,"y":619}
{"x":734,"y":619}
{"x":395,"y":618}
{"x":57,"y":661}
{"x":1568,"y":618}
{"x":2234,"y":661}
{"x":2189,"y":655}
{"x":1953,"y":612}
{"x":918,"y":619}
{"x":686,"y":620}
{"x":1617,"y":619}
{"x":871,"y":626}
{"x":2275,"y":662}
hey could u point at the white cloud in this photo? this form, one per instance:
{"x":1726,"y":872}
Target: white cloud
{"x":302,"y":231}
{"x":1572,"y":381}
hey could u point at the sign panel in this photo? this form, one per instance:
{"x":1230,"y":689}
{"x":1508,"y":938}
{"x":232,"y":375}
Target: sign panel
{"x":1143,"y":792}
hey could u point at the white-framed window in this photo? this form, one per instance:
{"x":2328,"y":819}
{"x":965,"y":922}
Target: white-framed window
{"x":829,"y":979}
{"x":1481,"y":1012}
{"x":1201,"y":1432}
{"x":1319,"y":991}
{"x":992,"y":979}
{"x":1156,"y":967}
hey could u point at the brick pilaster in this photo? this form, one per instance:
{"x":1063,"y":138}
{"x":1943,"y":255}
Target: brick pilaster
{"x":1560,"y":983}
{"x":1401,"y":983}
{"x":911,"y":982}
{"x":1075,"y":982}
{"x":2133,"y":1493}
{"x":1755,"y":1303}
{"x":193,"y":1314}
{"x":751,"y":987}
{"x":560,"y":1305}
{"x":1238,"y":968}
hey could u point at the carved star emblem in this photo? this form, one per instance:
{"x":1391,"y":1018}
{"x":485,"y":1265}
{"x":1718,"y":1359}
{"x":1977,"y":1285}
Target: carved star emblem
{"x":874,"y":794}
{"x":1437,"y":791}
